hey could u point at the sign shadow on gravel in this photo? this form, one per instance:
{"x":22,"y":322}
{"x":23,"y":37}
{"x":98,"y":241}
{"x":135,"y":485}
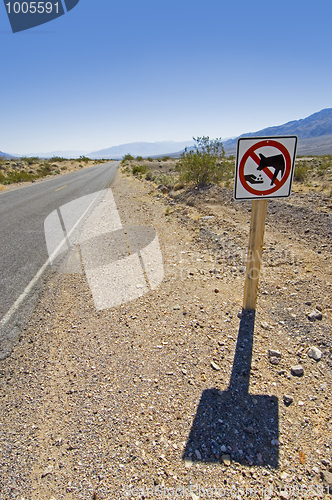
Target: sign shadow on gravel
{"x":234,"y":422}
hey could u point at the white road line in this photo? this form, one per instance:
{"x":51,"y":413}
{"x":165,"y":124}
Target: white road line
{"x":34,"y":280}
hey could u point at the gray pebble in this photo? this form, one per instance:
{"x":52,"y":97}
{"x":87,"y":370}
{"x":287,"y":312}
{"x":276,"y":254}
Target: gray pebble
{"x":312,"y":316}
{"x":288,"y":400}
{"x":297,"y":370}
{"x":215,"y":366}
{"x":315,"y":353}
{"x":274,"y":354}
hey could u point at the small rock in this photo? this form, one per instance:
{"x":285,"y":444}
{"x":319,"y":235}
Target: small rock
{"x":315,"y":470}
{"x":176,"y":308}
{"x":327,"y":478}
{"x":312,"y":316}
{"x":265,"y":325}
{"x":216,"y":290}
{"x":275,"y":442}
{"x":193,"y":496}
{"x":319,"y":308}
{"x":315,"y":353}
{"x":274,"y":354}
{"x":239,"y":315}
{"x":300,"y":403}
{"x":223,"y":448}
{"x":198,"y":455}
{"x":188,"y":463}
{"x":215,"y":366}
{"x":325,"y":462}
{"x":274,"y":361}
{"x":288,"y":400}
{"x":226,"y":459}
{"x":297,"y":370}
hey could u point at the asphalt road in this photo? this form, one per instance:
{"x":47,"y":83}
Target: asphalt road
{"x":22,"y":213}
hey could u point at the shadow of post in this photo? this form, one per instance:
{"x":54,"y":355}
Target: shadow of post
{"x":235,"y":422}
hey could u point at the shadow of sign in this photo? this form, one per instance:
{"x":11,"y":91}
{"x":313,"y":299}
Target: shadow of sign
{"x":235,"y":422}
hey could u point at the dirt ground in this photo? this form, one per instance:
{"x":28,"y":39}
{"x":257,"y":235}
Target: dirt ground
{"x":175,"y":395}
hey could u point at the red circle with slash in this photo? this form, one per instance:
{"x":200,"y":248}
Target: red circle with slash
{"x":252,"y":154}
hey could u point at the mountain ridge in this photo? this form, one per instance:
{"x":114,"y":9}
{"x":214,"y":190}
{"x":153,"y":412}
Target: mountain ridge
{"x":314,"y":133}
{"x":141,"y":149}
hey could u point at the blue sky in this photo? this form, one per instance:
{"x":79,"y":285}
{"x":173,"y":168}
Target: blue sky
{"x":108,"y":73}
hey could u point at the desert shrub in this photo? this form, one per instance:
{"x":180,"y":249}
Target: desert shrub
{"x":204,"y":163}
{"x":84,"y":158}
{"x":44,"y":169}
{"x":325,"y":165}
{"x":21,"y":176}
{"x":139,"y":169}
{"x":127,"y":157}
{"x":165,"y":158}
{"x":31,"y":160}
{"x":58,"y":158}
{"x":139,"y":158}
{"x":97,"y":162}
{"x":165,"y":180}
{"x":301,"y":172}
{"x":149,"y":176}
{"x":227,"y":171}
{"x":149,"y":158}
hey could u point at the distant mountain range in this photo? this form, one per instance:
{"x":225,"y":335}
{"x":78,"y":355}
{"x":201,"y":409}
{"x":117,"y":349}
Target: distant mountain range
{"x":141,"y":149}
{"x":117,"y":152}
{"x":63,"y":154}
{"x":5,"y":155}
{"x":314,"y":133}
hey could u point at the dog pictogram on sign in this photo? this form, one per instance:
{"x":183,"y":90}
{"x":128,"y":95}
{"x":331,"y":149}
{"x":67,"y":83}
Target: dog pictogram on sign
{"x":264,"y":167}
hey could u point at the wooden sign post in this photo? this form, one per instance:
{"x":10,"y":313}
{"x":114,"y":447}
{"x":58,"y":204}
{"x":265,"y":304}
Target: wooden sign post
{"x":264,"y":169}
{"x":255,"y":250}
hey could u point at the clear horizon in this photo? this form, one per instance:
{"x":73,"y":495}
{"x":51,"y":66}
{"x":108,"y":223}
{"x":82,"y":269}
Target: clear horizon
{"x":109,"y":74}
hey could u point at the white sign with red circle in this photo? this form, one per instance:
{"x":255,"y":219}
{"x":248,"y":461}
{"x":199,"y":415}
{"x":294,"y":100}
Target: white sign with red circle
{"x":264,"y":167}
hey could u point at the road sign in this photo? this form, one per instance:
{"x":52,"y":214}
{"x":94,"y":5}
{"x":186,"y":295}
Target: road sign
{"x":264,"y":167}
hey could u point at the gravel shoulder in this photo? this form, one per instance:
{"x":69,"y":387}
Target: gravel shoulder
{"x":135,"y":401}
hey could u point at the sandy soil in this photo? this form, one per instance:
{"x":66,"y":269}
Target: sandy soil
{"x":156,"y":398}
